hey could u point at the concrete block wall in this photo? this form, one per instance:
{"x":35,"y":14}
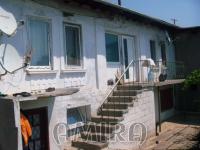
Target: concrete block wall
{"x":143,"y":112}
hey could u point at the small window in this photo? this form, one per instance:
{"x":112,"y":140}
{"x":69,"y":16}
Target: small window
{"x":74,"y":116}
{"x":72,"y":45}
{"x":112,"y":48}
{"x":39,"y":40}
{"x":153,"y":50}
{"x":77,"y":118}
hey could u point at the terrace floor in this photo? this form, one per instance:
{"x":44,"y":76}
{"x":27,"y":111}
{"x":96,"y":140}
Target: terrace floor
{"x":179,"y":132}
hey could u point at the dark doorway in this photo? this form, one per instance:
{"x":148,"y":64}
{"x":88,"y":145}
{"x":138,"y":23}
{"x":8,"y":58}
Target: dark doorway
{"x":166,"y":97}
{"x":39,"y":123}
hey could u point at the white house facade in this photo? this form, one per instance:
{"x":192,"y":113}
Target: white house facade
{"x":76,"y":46}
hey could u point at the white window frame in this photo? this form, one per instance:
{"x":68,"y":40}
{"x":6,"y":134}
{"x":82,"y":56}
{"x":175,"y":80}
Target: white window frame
{"x":77,"y":124}
{"x":75,"y":67}
{"x":47,"y":20}
{"x":119,"y":46}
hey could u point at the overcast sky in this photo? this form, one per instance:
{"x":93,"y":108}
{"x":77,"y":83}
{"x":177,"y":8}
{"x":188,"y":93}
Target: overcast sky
{"x":187,"y":12}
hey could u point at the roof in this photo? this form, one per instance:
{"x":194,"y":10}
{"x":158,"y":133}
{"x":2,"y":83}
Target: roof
{"x":138,"y":16}
{"x":116,"y":9}
{"x":191,"y":29}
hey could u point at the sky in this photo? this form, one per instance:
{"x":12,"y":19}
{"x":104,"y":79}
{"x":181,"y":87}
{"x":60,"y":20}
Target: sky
{"x":187,"y":12}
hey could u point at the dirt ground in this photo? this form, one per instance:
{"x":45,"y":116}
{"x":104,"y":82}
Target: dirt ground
{"x":179,"y":132}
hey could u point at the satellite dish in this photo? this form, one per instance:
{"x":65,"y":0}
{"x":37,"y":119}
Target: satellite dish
{"x":8,"y":24}
{"x":9,"y":58}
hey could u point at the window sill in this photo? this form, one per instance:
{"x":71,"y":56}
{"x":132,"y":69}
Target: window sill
{"x":32,"y":72}
{"x":113,"y":63}
{"x":76,"y":125}
{"x":73,"y":71}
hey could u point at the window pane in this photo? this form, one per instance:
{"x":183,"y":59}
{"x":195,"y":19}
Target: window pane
{"x":153,"y":50}
{"x":163,"y":53}
{"x":112,"y":51}
{"x":39,"y":42}
{"x":72,"y":45}
{"x":73,"y":116}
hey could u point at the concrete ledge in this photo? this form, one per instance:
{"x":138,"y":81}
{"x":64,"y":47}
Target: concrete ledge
{"x":36,"y":96}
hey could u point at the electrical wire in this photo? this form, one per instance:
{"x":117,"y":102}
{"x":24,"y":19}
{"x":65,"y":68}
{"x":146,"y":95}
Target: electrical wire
{"x":11,"y":72}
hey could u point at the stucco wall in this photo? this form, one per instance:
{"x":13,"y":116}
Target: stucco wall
{"x":58,"y":77}
{"x":57,"y":108}
{"x":144,"y":112}
{"x":95,"y":71}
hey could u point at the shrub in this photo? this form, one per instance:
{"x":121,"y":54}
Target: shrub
{"x":193,"y":79}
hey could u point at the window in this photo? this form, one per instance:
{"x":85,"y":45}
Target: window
{"x":72,"y":45}
{"x":153,"y":50}
{"x":39,"y":40}
{"x":112,"y":48}
{"x":75,"y":121}
{"x":74,"y":116}
{"x":163,"y":53}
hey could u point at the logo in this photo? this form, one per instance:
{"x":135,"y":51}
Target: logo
{"x":136,"y":132}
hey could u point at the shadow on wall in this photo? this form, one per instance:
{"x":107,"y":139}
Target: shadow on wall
{"x":43,"y":102}
{"x":8,"y":128}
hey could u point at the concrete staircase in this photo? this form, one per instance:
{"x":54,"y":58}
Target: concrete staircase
{"x":100,"y":129}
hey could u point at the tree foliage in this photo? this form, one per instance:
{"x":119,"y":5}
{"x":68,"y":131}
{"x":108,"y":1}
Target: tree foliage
{"x":193,"y":79}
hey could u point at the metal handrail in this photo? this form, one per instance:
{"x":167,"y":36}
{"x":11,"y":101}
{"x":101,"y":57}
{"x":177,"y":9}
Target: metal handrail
{"x":132,"y":62}
{"x":115,"y":85}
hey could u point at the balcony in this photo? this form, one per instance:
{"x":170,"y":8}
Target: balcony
{"x":158,"y":73}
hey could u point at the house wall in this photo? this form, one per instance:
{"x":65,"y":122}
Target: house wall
{"x":164,"y":115}
{"x":58,"y":78}
{"x":8,"y":125}
{"x":57,"y":109}
{"x":143,"y":111}
{"x":96,"y":71}
{"x":92,"y":78}
{"x":187,"y":44}
{"x":187,"y":50}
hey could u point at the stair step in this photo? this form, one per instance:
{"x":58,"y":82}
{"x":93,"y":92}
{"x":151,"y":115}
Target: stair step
{"x":113,"y":112}
{"x":126,"y":92}
{"x":111,"y":105}
{"x":129,"y":87}
{"x":107,"y":119}
{"x":100,"y":128}
{"x":99,"y":137}
{"x":122,"y":99}
{"x":89,"y":145}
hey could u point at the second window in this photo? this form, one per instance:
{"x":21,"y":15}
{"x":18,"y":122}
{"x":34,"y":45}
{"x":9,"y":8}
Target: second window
{"x":72,"y":45}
